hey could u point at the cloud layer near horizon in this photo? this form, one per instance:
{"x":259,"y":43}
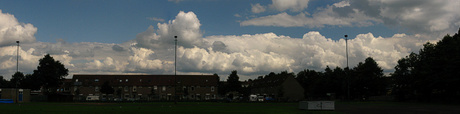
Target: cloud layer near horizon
{"x":152,"y":51}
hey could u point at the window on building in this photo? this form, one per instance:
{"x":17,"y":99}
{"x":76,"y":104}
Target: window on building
{"x":155,"y":87}
{"x":126,"y":80}
{"x":140,"y":80}
{"x":96,"y":88}
{"x":212,"y":88}
{"x":134,"y":88}
{"x":96,"y":80}
{"x":192,"y":88}
{"x":76,"y":80}
{"x":121,"y":80}
{"x":126,"y":88}
{"x":164,"y":88}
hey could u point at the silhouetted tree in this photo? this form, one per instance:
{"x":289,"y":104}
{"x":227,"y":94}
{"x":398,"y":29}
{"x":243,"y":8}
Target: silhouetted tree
{"x":31,"y":82}
{"x":403,"y":77}
{"x":311,"y":82}
{"x":16,"y":79}
{"x":233,"y":82}
{"x":3,"y":83}
{"x":431,"y":74}
{"x":369,"y":80}
{"x":50,"y":73}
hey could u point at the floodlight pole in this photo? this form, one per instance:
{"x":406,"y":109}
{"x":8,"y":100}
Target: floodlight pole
{"x":17,"y":58}
{"x":348,"y":77}
{"x":175,"y":70}
{"x":17,"y":70}
{"x":346,"y":47}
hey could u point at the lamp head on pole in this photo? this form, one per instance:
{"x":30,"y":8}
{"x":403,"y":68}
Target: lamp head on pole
{"x":346,"y":36}
{"x":17,"y":42}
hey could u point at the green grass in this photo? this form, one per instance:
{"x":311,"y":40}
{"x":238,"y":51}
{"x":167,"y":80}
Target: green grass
{"x":158,"y":107}
{"x":223,"y":108}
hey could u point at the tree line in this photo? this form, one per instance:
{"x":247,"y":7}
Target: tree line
{"x":431,"y":75}
{"x":364,"y":80}
{"x":360,"y":82}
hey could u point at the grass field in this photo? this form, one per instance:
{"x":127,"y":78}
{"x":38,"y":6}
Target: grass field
{"x":165,"y":107}
{"x":224,"y":108}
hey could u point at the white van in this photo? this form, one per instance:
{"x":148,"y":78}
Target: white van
{"x":92,"y":98}
{"x":252,"y":97}
{"x":260,"y":98}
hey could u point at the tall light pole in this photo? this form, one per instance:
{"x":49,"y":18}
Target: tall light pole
{"x":17,"y":71}
{"x":175,"y":54}
{"x":346,"y":47}
{"x":348,"y":77}
{"x":17,"y":58}
{"x":175,"y":75}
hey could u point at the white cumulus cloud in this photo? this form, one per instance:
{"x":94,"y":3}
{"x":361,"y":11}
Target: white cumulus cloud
{"x":152,"y":52}
{"x":11,"y":30}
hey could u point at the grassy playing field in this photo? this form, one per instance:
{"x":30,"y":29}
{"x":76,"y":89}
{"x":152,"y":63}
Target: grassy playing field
{"x":165,"y":107}
{"x":225,"y":108}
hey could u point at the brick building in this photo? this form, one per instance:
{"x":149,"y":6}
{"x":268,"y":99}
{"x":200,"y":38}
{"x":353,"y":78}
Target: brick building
{"x":16,"y":95}
{"x":146,"y":87}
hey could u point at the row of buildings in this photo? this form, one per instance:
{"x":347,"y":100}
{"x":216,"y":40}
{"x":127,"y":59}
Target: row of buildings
{"x":146,"y":87}
{"x":160,"y":87}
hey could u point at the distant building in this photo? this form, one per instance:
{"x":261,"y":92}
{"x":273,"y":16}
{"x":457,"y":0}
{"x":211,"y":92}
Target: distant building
{"x":146,"y":87}
{"x":17,"y":95}
{"x":65,"y":87}
{"x":277,"y":87}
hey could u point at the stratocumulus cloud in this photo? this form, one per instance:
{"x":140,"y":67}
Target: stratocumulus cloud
{"x":423,"y":16}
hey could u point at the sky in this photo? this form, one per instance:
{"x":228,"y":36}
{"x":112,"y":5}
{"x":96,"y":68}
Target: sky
{"x":254,"y":37}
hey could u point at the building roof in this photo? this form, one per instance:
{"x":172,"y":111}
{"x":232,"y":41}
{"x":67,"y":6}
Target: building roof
{"x":145,"y":80}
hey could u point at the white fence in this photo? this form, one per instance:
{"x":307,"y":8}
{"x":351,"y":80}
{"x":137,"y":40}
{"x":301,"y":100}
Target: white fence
{"x":317,"y":105}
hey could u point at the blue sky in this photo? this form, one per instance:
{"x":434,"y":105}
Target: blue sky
{"x":254,"y":37}
{"x":118,"y":21}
